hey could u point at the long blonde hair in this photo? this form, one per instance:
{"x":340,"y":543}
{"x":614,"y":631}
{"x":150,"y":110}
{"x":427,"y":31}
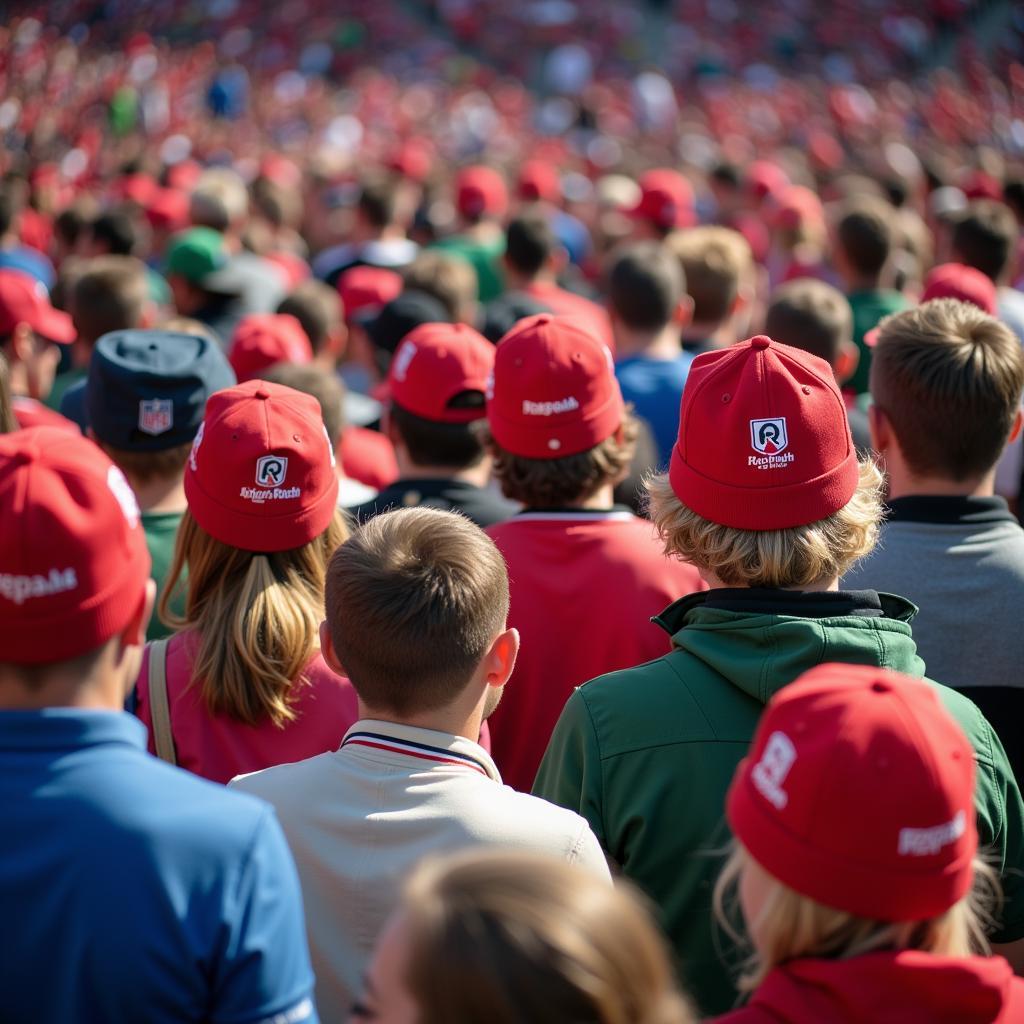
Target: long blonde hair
{"x":257,"y":617}
{"x":791,"y":926}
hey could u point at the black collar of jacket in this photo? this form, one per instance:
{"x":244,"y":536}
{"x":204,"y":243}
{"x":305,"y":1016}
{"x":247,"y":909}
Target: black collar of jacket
{"x":808,"y":604}
{"x":948,"y":510}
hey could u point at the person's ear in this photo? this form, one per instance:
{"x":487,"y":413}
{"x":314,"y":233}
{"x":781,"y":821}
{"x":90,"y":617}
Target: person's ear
{"x":683,"y":313}
{"x":338,"y":340}
{"x":847,"y":360}
{"x":327,"y":651}
{"x":389,"y":428}
{"x":1018,"y":422}
{"x":500,"y":660}
{"x":558,"y":260}
{"x":150,"y":316}
{"x":22,"y":343}
{"x":134,"y":634}
{"x":880,"y":429}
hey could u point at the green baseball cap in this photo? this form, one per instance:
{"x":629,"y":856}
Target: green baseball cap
{"x":199,"y":256}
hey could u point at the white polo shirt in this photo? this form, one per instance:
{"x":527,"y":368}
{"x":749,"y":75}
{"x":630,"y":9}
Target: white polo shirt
{"x":360,"y":818}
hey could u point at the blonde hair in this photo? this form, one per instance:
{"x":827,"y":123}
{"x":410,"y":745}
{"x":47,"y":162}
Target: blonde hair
{"x":792,"y":926}
{"x":257,"y":616}
{"x":511,"y":936}
{"x":796,"y":557}
{"x":716,"y":263}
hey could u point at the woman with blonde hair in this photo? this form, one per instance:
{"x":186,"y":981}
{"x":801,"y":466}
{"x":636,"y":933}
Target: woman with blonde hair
{"x":856,"y":864}
{"x":501,"y":937}
{"x":242,"y":685}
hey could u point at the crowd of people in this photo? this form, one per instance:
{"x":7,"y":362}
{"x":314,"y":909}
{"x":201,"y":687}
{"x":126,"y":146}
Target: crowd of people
{"x":493,"y":531}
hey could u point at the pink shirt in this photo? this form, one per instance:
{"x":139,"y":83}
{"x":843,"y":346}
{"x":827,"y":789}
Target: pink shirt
{"x":219,"y":747}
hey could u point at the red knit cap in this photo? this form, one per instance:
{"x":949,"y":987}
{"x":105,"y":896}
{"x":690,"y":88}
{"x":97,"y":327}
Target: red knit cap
{"x":261,"y":340}
{"x":764,"y":443}
{"x":73,"y":556}
{"x":858,"y":792}
{"x":261,"y":473}
{"x":554,"y":390}
{"x":436,"y":362}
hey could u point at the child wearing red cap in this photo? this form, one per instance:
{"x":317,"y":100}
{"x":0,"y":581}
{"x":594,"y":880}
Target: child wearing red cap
{"x":855,"y":918}
{"x":766,"y":497}
{"x":245,"y":685}
{"x":562,"y":438}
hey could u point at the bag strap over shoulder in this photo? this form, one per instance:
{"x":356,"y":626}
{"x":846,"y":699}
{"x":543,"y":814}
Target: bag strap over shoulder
{"x":163,"y":739}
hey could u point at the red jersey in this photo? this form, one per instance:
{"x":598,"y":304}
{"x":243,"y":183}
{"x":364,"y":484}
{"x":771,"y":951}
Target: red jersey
{"x":580,"y":308}
{"x":368,"y":456}
{"x":584,"y":585}
{"x":219,"y":747}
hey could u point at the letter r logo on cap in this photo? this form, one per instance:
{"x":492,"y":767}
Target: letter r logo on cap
{"x":770,"y":772}
{"x":271,"y":470}
{"x":769,"y":436}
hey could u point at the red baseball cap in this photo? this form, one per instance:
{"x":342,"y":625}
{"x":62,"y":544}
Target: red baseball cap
{"x":554,"y":391}
{"x":73,"y":555}
{"x":436,"y":362}
{"x":23,"y":300}
{"x":538,"y":181}
{"x":764,"y":443}
{"x":480,"y":190}
{"x":765,"y":178}
{"x":666,"y":199}
{"x":168,"y":209}
{"x":858,"y":792}
{"x":262,"y":340}
{"x":367,"y":289}
{"x":413,"y":159}
{"x":261,"y":473}
{"x":958,"y":281}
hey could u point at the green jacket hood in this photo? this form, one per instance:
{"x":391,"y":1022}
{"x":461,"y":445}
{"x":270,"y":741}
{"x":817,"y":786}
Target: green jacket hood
{"x":760,"y":652}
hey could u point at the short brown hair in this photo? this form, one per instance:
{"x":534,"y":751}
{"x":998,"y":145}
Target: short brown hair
{"x":110,"y":295}
{"x":865,"y":235}
{"x":414,"y":599}
{"x":447,"y":278}
{"x":716,"y":262}
{"x":985,"y":237}
{"x":145,"y":467}
{"x":949,"y":379}
{"x":554,"y":483}
{"x":812,"y":316}
{"x":324,"y":386}
{"x":317,"y":307}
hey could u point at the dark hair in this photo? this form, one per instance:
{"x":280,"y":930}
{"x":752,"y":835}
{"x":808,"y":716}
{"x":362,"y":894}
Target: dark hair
{"x":812,"y":316}
{"x":414,"y":599}
{"x":529,"y":242}
{"x":452,"y":445}
{"x":69,"y":225}
{"x":325,"y":387}
{"x":115,"y":229}
{"x":317,"y":306}
{"x":727,"y":174}
{"x":8,"y":211}
{"x":377,"y":203}
{"x":645,"y":285}
{"x":985,"y":237}
{"x":865,"y":235}
{"x":1013,"y":196}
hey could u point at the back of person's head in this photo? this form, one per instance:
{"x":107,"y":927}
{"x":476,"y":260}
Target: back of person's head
{"x":74,"y":567}
{"x":415,"y":599}
{"x":69,"y":225}
{"x":111,"y":294}
{"x":948,"y":379}
{"x":9,"y":208}
{"x":437,"y":382}
{"x":114,"y":231}
{"x":985,"y":237}
{"x":448,"y":279}
{"x":317,"y":307}
{"x":717,"y":264}
{"x":261,"y":523}
{"x":378,"y":203}
{"x":864,"y":234}
{"x":220,"y":200}
{"x":645,"y":286}
{"x":821,"y":884}
{"x":324,"y":386}
{"x":8,"y":423}
{"x":397,"y":318}
{"x":529,"y":241}
{"x":1013,"y":196}
{"x":556,"y":422}
{"x":480,"y":193}
{"x":813,"y":316}
{"x":764,"y":488}
{"x":511,"y":936}
{"x":145,"y":397}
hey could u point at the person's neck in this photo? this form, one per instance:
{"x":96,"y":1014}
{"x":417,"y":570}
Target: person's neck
{"x":862,"y":283}
{"x":717,"y":335}
{"x":161,"y":494}
{"x":517,"y":280}
{"x":451,"y":720}
{"x":602,"y":498}
{"x":663,"y":345}
{"x":903,"y":484}
{"x":821,"y":587}
{"x":478,"y":475}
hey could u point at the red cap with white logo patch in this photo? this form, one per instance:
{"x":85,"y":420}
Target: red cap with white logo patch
{"x":554,"y":392}
{"x":73,"y":555}
{"x":858,"y":792}
{"x":764,"y":442}
{"x":260,"y":476}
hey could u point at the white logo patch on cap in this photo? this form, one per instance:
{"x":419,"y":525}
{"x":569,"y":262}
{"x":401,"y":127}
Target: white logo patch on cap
{"x":20,"y":589}
{"x":770,"y":772}
{"x":569,"y":404}
{"x":330,"y":447}
{"x":122,"y":490}
{"x":271,"y":470}
{"x":405,"y":356}
{"x":925,"y":842}
{"x":156,"y":416}
{"x":769,"y":438}
{"x":195,"y":447}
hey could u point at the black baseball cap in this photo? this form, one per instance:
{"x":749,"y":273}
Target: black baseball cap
{"x":403,"y":313}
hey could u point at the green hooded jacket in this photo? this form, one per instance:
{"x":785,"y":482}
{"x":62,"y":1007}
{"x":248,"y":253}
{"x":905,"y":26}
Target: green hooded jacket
{"x":646,"y":755}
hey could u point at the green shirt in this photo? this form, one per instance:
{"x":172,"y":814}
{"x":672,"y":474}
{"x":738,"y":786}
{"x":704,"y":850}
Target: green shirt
{"x":646,"y":755}
{"x":161,"y":529}
{"x":483,"y":257}
{"x":62,"y":382}
{"x":868,"y":308}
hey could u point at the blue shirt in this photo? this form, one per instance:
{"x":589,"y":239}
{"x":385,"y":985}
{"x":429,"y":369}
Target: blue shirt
{"x":655,"y":387}
{"x":132,"y":891}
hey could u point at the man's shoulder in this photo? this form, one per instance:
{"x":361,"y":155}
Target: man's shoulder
{"x":969,"y":717}
{"x":506,"y":815}
{"x":277,"y":785}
